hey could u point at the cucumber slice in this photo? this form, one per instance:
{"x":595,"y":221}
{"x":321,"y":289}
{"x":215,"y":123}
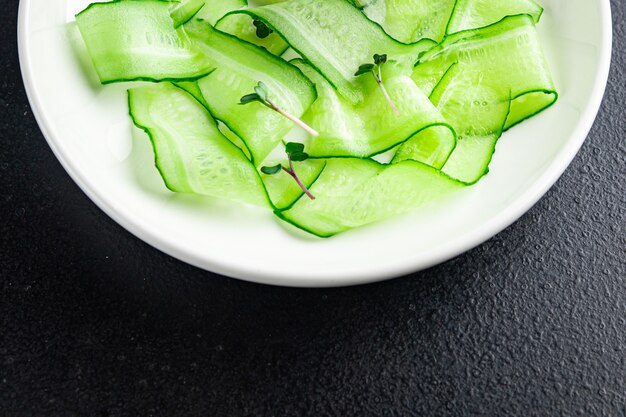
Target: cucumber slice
{"x":432,"y":146}
{"x":182,"y":12}
{"x":192,"y":88}
{"x":526,"y":104}
{"x":240,"y":66}
{"x":242,"y":26}
{"x":335,"y":37}
{"x":472,"y":14}
{"x":413,"y":20}
{"x":471,"y":158}
{"x":236,"y":140}
{"x":371,"y":127}
{"x":478,"y":112}
{"x":410,"y":20}
{"x":191,"y":153}
{"x":214,"y":10}
{"x":136,"y":40}
{"x":497,"y":78}
{"x":463,"y":93}
{"x":506,"y":57}
{"x":355,"y":192}
{"x":472,"y":102}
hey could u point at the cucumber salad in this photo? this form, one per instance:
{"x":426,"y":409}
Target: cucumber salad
{"x":333,"y":114}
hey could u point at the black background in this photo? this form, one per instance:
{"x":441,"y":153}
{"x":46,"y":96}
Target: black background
{"x":93,"y":322}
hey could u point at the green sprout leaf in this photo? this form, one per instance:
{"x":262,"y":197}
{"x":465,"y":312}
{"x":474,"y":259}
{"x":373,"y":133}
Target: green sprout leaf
{"x":294,"y":147}
{"x":364,"y":69}
{"x":261,"y":90}
{"x":380,"y":59}
{"x":299,"y":156}
{"x":249,"y":98}
{"x":272,"y":170}
{"x":262,"y":30}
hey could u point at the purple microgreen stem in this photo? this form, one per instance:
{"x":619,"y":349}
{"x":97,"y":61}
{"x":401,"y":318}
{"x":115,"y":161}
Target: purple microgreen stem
{"x":295,"y":153}
{"x":291,"y":171}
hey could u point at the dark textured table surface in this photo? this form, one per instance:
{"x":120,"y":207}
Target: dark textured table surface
{"x":93,"y":322}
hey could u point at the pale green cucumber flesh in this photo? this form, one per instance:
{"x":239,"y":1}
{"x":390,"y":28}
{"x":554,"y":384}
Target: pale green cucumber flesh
{"x":486,"y":76}
{"x":214,"y":10}
{"x":335,"y":47}
{"x":473,"y":14}
{"x":491,"y":79}
{"x":241,"y":26}
{"x":136,"y":40}
{"x":190,"y":152}
{"x":240,"y":66}
{"x":355,"y":192}
{"x":371,"y":127}
{"x":410,"y":20}
{"x":181,"y":12}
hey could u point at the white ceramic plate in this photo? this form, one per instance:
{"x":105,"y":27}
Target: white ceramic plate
{"x":88,"y":128}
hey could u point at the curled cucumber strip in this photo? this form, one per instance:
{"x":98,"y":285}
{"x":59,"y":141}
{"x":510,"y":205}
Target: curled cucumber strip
{"x":335,"y":47}
{"x":137,"y":40}
{"x":455,"y":98}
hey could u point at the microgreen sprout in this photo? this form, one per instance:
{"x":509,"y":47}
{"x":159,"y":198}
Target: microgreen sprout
{"x":295,"y":153}
{"x":376,"y":70}
{"x":262,"y":30}
{"x":261,"y":94}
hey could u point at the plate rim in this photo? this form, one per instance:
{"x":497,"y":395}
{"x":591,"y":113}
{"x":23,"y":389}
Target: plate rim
{"x":454,"y":248}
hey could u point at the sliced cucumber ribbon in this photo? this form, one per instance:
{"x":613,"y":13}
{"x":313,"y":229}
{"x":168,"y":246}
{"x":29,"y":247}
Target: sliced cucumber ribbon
{"x":137,"y":40}
{"x":490,"y":79}
{"x":336,"y":47}
{"x":372,"y":127}
{"x":191,"y":153}
{"x":239,"y":67}
{"x":455,"y":98}
{"x":413,"y":20}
